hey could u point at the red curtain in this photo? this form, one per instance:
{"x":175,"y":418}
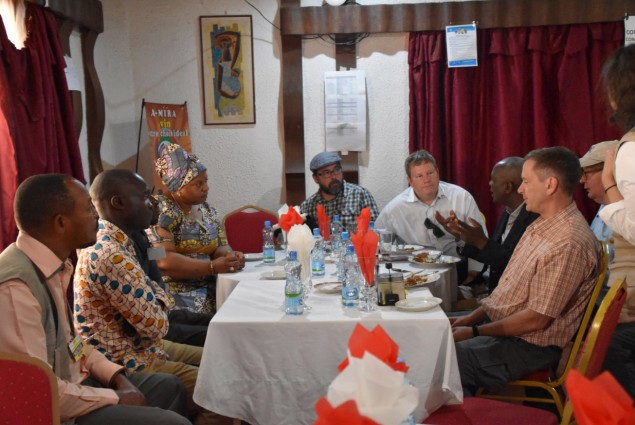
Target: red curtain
{"x":533,"y":87}
{"x":37,"y":133}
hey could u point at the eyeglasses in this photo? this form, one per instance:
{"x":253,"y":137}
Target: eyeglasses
{"x":328,"y":173}
{"x":436,"y":230}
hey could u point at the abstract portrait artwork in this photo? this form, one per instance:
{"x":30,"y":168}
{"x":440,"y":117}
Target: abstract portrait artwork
{"x":227,"y":67}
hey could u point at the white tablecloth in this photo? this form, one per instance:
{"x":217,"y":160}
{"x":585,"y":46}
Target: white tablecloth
{"x":266,"y":368}
{"x":444,"y":288}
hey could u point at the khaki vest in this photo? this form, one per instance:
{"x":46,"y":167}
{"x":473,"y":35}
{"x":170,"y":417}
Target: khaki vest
{"x":14,"y":264}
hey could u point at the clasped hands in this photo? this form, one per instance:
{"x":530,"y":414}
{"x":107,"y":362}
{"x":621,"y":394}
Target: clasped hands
{"x":461,"y":328}
{"x":471,"y":233}
{"x":229,"y":262}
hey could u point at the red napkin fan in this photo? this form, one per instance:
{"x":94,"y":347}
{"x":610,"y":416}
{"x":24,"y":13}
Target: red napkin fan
{"x":378,"y":343}
{"x":365,"y":242}
{"x":323,"y":222}
{"x":290,"y":219}
{"x":601,"y":401}
{"x":345,"y":413}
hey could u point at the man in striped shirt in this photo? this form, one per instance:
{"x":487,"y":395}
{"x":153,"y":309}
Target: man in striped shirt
{"x":539,"y":302}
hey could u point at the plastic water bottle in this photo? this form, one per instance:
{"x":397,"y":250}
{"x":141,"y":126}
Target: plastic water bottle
{"x":293,"y":303}
{"x":317,"y":254}
{"x":341,"y":252}
{"x":268,"y":247}
{"x":336,"y":231}
{"x":350,"y":284}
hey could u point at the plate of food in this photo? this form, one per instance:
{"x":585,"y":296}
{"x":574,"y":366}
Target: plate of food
{"x":253,"y":256}
{"x":417,"y":280}
{"x":328,"y":287}
{"x":418,"y":304}
{"x":432,"y":258}
{"x":274,"y":275}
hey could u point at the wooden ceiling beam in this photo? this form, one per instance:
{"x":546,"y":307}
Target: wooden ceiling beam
{"x":383,"y":18}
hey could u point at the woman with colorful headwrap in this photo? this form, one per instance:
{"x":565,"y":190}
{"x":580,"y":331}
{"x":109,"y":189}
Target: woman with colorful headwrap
{"x":190,"y":231}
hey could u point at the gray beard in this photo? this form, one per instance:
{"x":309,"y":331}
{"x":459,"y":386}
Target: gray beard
{"x":336,"y":190}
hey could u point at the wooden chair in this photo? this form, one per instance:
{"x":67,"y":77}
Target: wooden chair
{"x":483,"y":411}
{"x":243,"y":228}
{"x":547,"y":379}
{"x":28,"y":391}
{"x":599,"y":337}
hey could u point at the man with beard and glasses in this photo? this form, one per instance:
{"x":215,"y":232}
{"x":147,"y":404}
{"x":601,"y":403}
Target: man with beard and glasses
{"x":337,"y":195}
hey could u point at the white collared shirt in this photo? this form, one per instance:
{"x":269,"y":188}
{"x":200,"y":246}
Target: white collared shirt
{"x":405,"y":216}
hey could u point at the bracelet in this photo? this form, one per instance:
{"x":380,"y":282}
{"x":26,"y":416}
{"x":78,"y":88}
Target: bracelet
{"x":475,"y":331}
{"x":211,"y":268}
{"x":610,"y":187}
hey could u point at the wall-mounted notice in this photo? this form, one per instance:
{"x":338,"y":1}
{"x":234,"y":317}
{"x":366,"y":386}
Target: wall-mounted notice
{"x":461,"y":44}
{"x":629,"y":30}
{"x":345,"y":110}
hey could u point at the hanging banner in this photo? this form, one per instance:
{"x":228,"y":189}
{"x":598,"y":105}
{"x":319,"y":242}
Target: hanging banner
{"x":167,"y":122}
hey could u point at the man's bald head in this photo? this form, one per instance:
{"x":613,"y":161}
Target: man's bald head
{"x":505,"y":181}
{"x":120,"y":197}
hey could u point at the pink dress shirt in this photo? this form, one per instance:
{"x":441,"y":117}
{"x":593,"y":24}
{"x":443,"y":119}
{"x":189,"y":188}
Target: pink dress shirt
{"x":21,"y":332}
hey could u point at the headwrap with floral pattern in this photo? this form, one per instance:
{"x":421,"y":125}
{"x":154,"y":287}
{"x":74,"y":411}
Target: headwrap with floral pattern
{"x":176,"y":166}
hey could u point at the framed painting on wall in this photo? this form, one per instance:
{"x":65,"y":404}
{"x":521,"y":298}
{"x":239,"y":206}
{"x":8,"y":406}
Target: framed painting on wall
{"x":228,"y":69}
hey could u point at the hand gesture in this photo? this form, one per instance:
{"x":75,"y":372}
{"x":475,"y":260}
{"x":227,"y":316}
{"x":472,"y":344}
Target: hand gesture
{"x":472,"y":233}
{"x":448,"y":223}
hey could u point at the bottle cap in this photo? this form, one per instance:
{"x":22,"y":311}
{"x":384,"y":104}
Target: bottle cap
{"x":336,"y":218}
{"x":316,"y":231}
{"x":344,"y":235}
{"x":267,"y":223}
{"x":293,"y":255}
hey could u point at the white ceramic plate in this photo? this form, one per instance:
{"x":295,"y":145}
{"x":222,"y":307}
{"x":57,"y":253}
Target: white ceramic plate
{"x":274,"y":275}
{"x":406,"y":249}
{"x":418,"y":304}
{"x":442,"y":261}
{"x":428,"y":278}
{"x":328,"y":287}
{"x":255,"y":256}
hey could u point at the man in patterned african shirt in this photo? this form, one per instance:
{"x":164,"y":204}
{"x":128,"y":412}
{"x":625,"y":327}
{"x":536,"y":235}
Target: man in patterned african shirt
{"x":118,"y":309}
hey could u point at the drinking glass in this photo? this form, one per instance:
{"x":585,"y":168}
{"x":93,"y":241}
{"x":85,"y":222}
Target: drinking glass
{"x":385,"y":242}
{"x":367,"y":291}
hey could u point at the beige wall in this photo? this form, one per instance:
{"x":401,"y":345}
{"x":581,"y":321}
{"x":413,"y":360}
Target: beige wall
{"x":150,"y":49}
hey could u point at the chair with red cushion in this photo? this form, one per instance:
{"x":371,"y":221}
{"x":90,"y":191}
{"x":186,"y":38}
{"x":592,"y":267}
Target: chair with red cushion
{"x":243,"y":227}
{"x":28,"y":391}
{"x":483,"y":411}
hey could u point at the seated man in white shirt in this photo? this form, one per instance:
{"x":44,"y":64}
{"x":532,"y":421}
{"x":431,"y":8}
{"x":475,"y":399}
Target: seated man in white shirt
{"x":411,"y":214}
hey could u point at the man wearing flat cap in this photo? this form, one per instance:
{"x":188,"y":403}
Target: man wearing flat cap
{"x":592,"y":164}
{"x":337,"y":195}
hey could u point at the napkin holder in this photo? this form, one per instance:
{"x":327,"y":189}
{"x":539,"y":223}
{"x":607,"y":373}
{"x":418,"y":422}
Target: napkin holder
{"x":390,"y":288}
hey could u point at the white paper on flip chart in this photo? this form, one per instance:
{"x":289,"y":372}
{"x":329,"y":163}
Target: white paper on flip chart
{"x":461,"y":45}
{"x":629,"y":30}
{"x":345,"y":110}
